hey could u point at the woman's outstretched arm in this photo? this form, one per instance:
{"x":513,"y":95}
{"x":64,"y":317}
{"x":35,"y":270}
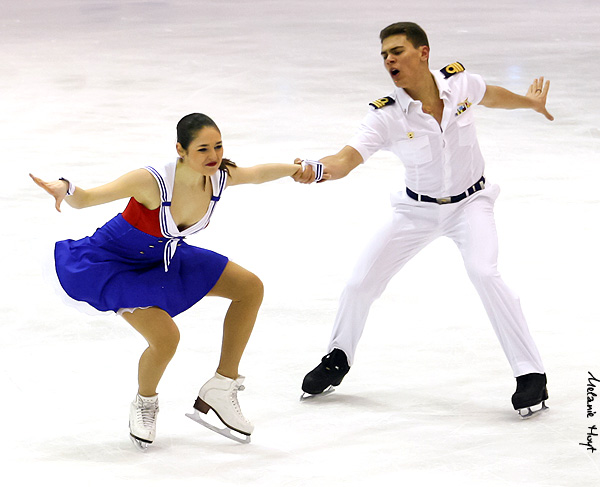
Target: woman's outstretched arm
{"x":138,"y":183}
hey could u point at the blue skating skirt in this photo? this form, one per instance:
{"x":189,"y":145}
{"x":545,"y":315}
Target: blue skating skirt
{"x":120,"y":266}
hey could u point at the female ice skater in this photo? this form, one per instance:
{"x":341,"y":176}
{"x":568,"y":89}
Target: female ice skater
{"x":138,"y":266}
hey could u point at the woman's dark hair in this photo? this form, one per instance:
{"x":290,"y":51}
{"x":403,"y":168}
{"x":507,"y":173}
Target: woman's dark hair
{"x":413,"y":32}
{"x":188,"y":128}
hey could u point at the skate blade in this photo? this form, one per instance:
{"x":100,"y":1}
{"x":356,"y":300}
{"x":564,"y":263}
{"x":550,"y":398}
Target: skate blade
{"x":226,"y":431}
{"x":139,"y":444}
{"x":527,"y":413}
{"x":307,"y":397}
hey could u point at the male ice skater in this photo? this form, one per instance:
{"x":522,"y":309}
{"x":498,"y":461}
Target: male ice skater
{"x":428,"y":123}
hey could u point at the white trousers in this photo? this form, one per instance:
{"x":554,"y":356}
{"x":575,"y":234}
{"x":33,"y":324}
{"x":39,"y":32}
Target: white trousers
{"x":470,"y":224}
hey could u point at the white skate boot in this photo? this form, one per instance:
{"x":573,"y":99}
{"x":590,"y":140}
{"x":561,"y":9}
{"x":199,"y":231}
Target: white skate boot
{"x":142,"y":421}
{"x":220,"y":395}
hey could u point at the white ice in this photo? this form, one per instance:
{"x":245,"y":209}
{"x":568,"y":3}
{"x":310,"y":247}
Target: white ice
{"x":90,"y":89}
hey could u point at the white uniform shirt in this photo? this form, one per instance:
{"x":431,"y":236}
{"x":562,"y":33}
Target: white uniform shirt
{"x":440,"y":160}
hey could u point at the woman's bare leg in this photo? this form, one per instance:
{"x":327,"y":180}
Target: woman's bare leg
{"x":246,"y":293}
{"x":162,"y":335}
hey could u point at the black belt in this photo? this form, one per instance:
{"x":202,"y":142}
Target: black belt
{"x":478,"y":186}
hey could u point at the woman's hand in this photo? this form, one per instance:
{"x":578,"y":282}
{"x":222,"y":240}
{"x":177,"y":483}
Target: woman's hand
{"x":57,"y":189}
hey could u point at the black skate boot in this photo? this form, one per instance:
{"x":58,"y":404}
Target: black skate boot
{"x":531,"y":391}
{"x":330,"y":372}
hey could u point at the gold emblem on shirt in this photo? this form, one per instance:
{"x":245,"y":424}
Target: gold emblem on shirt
{"x":410,"y":135}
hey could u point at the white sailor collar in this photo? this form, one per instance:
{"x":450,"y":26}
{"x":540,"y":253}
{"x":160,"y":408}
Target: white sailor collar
{"x":165,"y":178}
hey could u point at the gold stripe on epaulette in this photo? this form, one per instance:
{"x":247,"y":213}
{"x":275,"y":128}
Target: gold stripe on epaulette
{"x":452,"y":69}
{"x":382,"y":102}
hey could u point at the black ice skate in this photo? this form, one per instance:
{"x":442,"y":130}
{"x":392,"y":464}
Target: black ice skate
{"x":330,"y":372}
{"x":531,"y":392}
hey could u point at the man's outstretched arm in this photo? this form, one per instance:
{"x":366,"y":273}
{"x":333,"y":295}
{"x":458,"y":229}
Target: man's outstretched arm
{"x":498,"y":97}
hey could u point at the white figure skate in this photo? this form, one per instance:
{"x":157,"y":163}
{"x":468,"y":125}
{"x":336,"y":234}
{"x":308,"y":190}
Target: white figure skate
{"x":142,"y":421}
{"x":219,"y":394}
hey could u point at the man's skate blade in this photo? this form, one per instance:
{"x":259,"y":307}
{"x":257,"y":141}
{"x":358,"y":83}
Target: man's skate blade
{"x":307,"y":397}
{"x":139,"y":444}
{"x":527,"y":413}
{"x":225,"y":431}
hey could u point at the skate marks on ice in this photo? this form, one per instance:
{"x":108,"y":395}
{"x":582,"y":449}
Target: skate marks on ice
{"x":452,"y":409}
{"x":224,"y":430}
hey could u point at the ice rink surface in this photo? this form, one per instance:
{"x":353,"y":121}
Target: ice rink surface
{"x":90,"y":89}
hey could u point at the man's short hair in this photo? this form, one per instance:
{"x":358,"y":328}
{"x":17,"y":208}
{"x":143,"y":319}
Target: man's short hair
{"x":413,"y":32}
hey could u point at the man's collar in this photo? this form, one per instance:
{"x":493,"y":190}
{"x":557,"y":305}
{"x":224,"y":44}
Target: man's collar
{"x":404,"y":99}
{"x":441,"y":82}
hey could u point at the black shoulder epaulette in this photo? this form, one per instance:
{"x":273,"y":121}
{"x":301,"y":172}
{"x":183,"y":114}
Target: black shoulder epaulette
{"x":382,"y":102}
{"x":452,"y":69}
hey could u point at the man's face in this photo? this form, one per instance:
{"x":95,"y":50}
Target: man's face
{"x":402,"y":60}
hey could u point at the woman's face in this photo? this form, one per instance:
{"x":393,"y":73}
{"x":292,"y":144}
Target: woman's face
{"x":205,"y":152}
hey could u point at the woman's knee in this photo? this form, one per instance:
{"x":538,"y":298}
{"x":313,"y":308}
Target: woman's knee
{"x":167,"y":341}
{"x":239,"y":284}
{"x":254,"y":287}
{"x":159,"y":330}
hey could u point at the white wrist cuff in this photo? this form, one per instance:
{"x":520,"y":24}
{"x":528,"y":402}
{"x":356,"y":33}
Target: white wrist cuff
{"x":71,"y":188}
{"x":317,"y":168}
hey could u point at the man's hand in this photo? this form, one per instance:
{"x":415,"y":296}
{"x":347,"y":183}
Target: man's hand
{"x":537,"y":93}
{"x":498,"y":97}
{"x":305,"y":176}
{"x":334,"y":167}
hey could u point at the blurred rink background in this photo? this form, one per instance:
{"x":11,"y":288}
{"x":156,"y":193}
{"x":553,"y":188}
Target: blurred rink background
{"x":92,"y":89}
